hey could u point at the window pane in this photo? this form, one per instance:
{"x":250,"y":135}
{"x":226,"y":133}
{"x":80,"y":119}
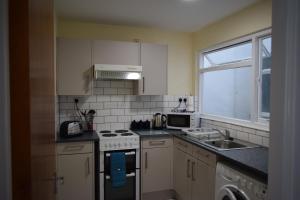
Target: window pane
{"x":265,"y":97}
{"x":265,"y":73}
{"x":228,"y":55}
{"x":227,"y":93}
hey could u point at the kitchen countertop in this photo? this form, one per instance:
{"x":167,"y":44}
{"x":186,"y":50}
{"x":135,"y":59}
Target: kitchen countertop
{"x":86,"y":136}
{"x":252,"y":160}
{"x":152,"y":133}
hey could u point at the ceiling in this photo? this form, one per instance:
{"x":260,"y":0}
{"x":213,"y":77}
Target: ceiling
{"x":177,"y":15}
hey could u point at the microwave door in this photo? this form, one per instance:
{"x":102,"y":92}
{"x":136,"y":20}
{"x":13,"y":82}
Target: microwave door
{"x":178,"y":121}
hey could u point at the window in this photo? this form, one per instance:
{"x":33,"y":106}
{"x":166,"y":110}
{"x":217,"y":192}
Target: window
{"x":234,"y":79}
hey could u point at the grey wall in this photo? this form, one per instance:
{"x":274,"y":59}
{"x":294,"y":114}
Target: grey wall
{"x":5,"y":188}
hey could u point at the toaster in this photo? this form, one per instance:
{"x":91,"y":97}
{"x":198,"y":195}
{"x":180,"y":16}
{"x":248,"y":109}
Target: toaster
{"x":70,"y":129}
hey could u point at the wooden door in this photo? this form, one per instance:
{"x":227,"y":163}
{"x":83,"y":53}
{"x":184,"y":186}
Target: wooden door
{"x":201,"y":181}
{"x":32,"y":99}
{"x":154,"y":59}
{"x":182,"y":174}
{"x":116,"y":52}
{"x":156,"y":169}
{"x":76,"y":177}
{"x":74,"y":67}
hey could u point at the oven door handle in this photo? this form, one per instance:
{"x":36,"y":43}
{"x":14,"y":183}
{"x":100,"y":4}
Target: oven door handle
{"x":132,"y":174}
{"x":127,"y":153}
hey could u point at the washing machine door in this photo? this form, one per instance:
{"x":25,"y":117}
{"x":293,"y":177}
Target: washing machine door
{"x":231,"y":193}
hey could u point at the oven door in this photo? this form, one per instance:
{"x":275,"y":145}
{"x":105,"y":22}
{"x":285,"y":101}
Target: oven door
{"x":129,"y":190}
{"x":178,"y":121}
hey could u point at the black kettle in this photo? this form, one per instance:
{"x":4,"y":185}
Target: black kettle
{"x":159,"y":121}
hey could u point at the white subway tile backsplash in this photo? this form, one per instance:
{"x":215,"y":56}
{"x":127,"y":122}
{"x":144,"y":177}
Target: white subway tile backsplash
{"x":124,"y":91}
{"x":116,"y":107}
{"x":96,"y":106}
{"x":115,"y":126}
{"x":117,"y":84}
{"x":103,"y":98}
{"x":105,"y":112}
{"x":117,"y":112}
{"x":117,"y":98}
{"x":239,"y":132}
{"x":103,"y":84}
{"x":130,"y":98}
{"x":110,"y":119}
{"x":124,"y":118}
{"x":110,"y":91}
{"x":255,"y":139}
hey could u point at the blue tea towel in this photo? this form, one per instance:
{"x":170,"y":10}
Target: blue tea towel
{"x":118,"y":169}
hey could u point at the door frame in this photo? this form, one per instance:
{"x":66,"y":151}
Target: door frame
{"x":284,"y":149}
{"x":5,"y":155}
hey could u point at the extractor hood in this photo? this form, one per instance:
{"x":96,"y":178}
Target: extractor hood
{"x":125,"y":72}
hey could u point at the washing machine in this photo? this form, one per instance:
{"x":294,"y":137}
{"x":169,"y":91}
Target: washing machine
{"x":231,"y":184}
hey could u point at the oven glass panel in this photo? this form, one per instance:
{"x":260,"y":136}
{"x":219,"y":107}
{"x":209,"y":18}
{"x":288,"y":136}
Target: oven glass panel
{"x":126,"y":192}
{"x":130,"y":161}
{"x":179,"y":120}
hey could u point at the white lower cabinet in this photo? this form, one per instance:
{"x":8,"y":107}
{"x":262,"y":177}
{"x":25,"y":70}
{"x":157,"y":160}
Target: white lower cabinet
{"x":75,"y":171}
{"x":156,"y":165}
{"x":194,"y":173}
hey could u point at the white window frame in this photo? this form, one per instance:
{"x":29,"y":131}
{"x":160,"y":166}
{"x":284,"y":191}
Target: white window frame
{"x":255,"y":121}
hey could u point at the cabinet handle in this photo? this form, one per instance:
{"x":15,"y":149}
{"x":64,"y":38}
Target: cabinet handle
{"x":181,"y":144}
{"x":188,"y":169}
{"x":146,"y":160}
{"x":143,"y":84}
{"x":88,"y":165}
{"x":193,"y":168}
{"x":154,"y":143}
{"x":73,"y":148}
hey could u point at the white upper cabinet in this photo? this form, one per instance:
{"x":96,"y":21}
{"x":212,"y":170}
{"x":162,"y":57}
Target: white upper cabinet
{"x":74,"y":67}
{"x":116,"y":52}
{"x":154,"y":59}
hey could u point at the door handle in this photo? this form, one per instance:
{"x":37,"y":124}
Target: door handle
{"x":146,"y":160}
{"x":188,"y":169}
{"x":143,"y":84}
{"x":193,"y":171}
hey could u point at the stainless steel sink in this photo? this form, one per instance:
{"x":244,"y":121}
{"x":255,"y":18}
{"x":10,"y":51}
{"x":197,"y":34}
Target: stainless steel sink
{"x":229,"y":144}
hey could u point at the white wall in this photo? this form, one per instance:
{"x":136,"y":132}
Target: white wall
{"x":5,"y":193}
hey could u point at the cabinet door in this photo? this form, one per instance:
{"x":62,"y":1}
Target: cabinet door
{"x":182,"y":174}
{"x":154,"y":58}
{"x":202,"y":181}
{"x":74,"y":67}
{"x":156,"y":169}
{"x":116,"y":52}
{"x":76,"y":173}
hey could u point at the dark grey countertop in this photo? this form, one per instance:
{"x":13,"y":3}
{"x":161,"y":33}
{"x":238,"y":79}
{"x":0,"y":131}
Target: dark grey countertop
{"x":86,"y":136}
{"x":152,"y":133}
{"x":252,"y":160}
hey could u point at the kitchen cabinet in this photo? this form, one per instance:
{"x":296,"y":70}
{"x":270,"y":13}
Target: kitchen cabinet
{"x":154,"y":59}
{"x":194,"y":172}
{"x":116,"y":52}
{"x":182,"y":162}
{"x":157,"y":170}
{"x":75,"y":171}
{"x":74,"y":67}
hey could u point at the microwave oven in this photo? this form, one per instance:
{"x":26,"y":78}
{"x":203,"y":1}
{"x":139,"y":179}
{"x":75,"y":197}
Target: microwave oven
{"x":183,"y":120}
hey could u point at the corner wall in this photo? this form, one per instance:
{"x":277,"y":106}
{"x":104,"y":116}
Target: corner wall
{"x":249,"y":20}
{"x":179,"y":47}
